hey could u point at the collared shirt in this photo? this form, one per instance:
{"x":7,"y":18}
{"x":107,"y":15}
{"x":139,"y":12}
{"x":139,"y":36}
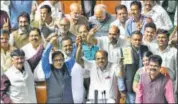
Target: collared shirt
{"x":114,"y":53}
{"x":55,"y":10}
{"x":103,"y":26}
{"x":6,"y":59}
{"x":121,"y":28}
{"x":149,"y":44}
{"x":160,"y":17}
{"x":131,"y":25}
{"x":102,"y":80}
{"x":169,"y":57}
{"x":153,"y":90}
{"x":75,"y":26}
{"x":89,"y":52}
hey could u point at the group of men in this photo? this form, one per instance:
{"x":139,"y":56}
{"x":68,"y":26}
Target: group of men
{"x":97,"y":59}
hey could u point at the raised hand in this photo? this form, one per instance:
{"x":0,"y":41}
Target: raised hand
{"x":78,"y":41}
{"x":6,"y":24}
{"x":34,"y":8}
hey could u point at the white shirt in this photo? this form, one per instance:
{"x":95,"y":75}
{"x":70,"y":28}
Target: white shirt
{"x":114,"y":53}
{"x":152,"y":44}
{"x":175,"y":18}
{"x":160,"y":17}
{"x":5,"y":6}
{"x":105,"y":80}
{"x":77,"y":83}
{"x":22,"y":88}
{"x":29,"y":53}
{"x":54,"y":9}
{"x":169,"y":57}
{"x":121,"y":28}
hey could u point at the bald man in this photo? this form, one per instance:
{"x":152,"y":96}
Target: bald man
{"x":102,"y":73}
{"x":76,"y":19}
{"x":62,"y":30}
{"x":101,"y":20}
{"x":110,"y":43}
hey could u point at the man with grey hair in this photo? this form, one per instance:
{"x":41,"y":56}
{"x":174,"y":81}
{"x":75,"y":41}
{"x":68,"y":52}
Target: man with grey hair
{"x":76,"y":19}
{"x":101,"y":20}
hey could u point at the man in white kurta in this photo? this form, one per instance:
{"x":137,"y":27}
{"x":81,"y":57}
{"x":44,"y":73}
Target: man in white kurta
{"x":17,"y":83}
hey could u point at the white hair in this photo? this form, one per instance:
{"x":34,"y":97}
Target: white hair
{"x":73,"y":5}
{"x":100,"y":7}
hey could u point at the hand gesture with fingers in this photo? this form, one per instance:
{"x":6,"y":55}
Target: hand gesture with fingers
{"x":6,"y":24}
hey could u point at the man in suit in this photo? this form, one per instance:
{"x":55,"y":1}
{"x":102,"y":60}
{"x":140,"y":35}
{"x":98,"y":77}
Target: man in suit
{"x":137,"y":51}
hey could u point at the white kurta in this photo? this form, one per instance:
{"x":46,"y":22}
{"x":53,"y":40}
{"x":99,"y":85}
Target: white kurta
{"x":29,"y":53}
{"x":77,"y":83}
{"x":22,"y":88}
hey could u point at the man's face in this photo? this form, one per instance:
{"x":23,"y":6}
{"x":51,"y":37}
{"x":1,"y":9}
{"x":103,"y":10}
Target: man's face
{"x":113,"y":35}
{"x":122,"y":15}
{"x":58,"y":61}
{"x":23,"y":24}
{"x":135,"y":11}
{"x":154,"y":69}
{"x":64,"y":26}
{"x":100,"y":15}
{"x":148,"y":4}
{"x":67,"y":47}
{"x":34,"y":38}
{"x":101,"y":60}
{"x":44,"y":14}
{"x":149,"y":33}
{"x":136,"y":40}
{"x":75,"y":13}
{"x":162,"y":40}
{"x":83,"y":33}
{"x":18,"y":61}
{"x":4,"y":40}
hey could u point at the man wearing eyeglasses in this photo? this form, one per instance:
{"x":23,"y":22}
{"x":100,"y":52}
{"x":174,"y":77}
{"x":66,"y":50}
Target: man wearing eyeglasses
{"x":154,"y":87}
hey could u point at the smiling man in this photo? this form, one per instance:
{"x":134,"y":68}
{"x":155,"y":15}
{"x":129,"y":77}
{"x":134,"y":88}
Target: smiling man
{"x":168,"y":55}
{"x":21,"y":72}
{"x":19,"y":37}
{"x":159,"y":87}
{"x":31,"y":49}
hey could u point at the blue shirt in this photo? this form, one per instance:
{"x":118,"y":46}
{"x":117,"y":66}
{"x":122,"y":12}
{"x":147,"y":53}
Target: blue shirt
{"x":89,"y":52}
{"x":16,"y":8}
{"x":131,"y":25}
{"x":46,"y":65}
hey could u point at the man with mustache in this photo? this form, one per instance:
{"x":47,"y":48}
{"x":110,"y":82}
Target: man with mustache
{"x":158,"y":14}
{"x":169,"y":57}
{"x":19,"y":37}
{"x":137,"y":21}
{"x":31,"y":49}
{"x":62,"y":31}
{"x":76,"y":19}
{"x":154,"y":87}
{"x":111,"y":43}
{"x":17,"y":83}
{"x":102,"y":73}
{"x":101,"y":20}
